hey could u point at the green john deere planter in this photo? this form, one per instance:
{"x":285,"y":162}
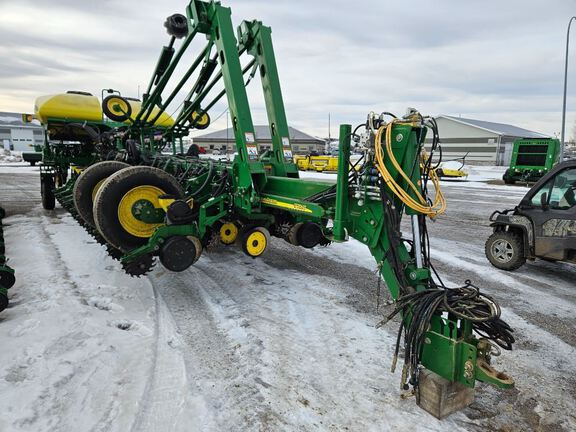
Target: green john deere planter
{"x":171,"y":207}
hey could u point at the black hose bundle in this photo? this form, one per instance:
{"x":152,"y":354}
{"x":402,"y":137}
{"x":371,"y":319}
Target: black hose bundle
{"x":465,"y":303}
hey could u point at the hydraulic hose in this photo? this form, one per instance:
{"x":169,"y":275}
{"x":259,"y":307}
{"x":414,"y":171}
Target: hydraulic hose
{"x":419,"y":204}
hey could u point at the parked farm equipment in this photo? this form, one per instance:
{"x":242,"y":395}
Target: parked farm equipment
{"x":531,"y":159}
{"x":316,"y":163}
{"x":80,"y":132}
{"x":144,"y":204}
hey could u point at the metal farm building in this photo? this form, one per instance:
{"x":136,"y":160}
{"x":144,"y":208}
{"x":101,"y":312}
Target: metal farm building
{"x":223,"y":141}
{"x":485,"y":142}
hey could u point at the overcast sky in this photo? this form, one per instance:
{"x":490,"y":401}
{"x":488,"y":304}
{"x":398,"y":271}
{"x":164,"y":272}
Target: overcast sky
{"x":491,"y":60}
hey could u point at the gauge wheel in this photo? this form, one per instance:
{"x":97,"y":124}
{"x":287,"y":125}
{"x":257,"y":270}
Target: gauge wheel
{"x":47,"y":192}
{"x":88,"y":183}
{"x":228,"y":233}
{"x":255,"y":241}
{"x":505,"y":250}
{"x":127,"y":209}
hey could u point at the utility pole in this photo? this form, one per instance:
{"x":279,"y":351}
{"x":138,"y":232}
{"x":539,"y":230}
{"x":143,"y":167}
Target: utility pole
{"x":562,"y":143}
{"x":328,"y":146}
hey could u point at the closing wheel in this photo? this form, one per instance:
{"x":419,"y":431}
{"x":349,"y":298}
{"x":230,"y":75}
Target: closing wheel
{"x":308,"y":235}
{"x":47,"y":192}
{"x":179,"y":252}
{"x":505,"y":250}
{"x":127,"y":209}
{"x":255,"y":241}
{"x":87,"y":186}
{"x":228,"y":233}
{"x":117,"y":108}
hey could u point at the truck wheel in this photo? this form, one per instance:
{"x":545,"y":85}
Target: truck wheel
{"x":32,"y":163}
{"x":47,"y":192}
{"x":505,"y":250}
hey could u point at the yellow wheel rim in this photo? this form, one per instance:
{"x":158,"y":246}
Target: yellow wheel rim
{"x":97,"y":188}
{"x":228,"y":233}
{"x":128,"y":221}
{"x":117,"y":105}
{"x":203,"y":121}
{"x":256,"y":243}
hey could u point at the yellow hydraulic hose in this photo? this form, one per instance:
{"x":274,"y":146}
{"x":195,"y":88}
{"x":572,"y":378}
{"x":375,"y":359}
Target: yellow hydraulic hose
{"x":420,"y":204}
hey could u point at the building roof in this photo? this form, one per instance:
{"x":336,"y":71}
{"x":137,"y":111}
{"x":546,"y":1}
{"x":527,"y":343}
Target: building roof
{"x":262,"y":133}
{"x":497,"y":128}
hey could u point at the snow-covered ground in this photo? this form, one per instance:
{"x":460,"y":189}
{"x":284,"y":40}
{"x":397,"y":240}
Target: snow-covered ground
{"x":7,"y":156}
{"x":282,"y":343}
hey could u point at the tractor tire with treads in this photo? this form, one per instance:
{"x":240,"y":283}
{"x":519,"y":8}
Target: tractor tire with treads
{"x":88,"y":183}
{"x":112,"y":202}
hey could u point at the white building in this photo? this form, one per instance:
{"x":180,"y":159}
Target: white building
{"x":485,"y":142}
{"x":19,"y":132}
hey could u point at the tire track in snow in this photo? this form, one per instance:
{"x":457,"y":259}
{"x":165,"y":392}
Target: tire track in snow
{"x":220,"y":360}
{"x":285,"y":348}
{"x":164,"y":402}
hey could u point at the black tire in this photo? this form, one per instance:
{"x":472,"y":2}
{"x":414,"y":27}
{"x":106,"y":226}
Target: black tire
{"x":86,"y":183}
{"x":47,"y":192}
{"x":7,"y":279}
{"x":507,"y":179}
{"x":119,"y":115}
{"x":3,"y":302}
{"x":505,"y":250}
{"x":107,"y":200}
{"x":32,"y":163}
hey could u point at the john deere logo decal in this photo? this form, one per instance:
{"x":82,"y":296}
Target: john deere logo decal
{"x":296,"y":207}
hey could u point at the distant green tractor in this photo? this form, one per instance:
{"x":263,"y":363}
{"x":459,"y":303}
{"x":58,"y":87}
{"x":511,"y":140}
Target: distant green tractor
{"x":532,"y":159}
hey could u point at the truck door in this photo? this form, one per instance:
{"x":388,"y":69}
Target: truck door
{"x":553,"y":213}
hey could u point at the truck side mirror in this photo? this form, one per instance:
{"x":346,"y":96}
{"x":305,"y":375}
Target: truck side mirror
{"x":544,"y":201}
